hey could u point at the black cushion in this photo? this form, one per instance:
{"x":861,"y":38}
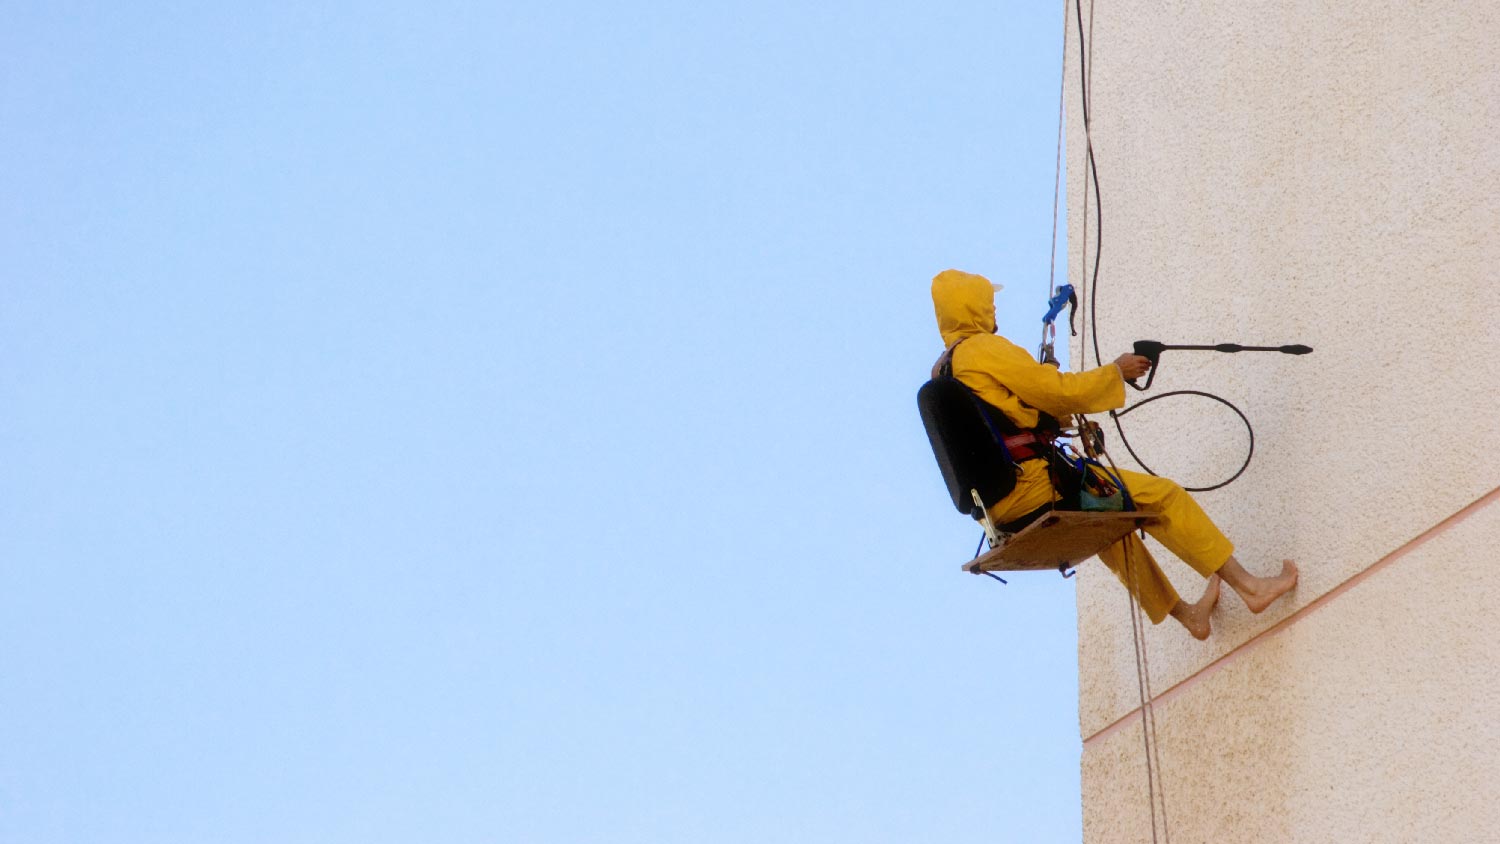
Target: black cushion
{"x":967,"y":445}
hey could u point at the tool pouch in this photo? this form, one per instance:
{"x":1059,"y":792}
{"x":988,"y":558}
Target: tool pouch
{"x":1099,"y":490}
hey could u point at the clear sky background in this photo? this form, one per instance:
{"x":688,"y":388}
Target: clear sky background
{"x":467,"y":422}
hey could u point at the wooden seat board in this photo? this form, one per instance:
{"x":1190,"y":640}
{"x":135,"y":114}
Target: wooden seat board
{"x":1060,"y":538}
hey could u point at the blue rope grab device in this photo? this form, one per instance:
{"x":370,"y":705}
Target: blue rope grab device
{"x":1063,"y":298}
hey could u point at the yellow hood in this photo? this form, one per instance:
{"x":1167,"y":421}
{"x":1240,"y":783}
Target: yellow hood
{"x":965,"y":305}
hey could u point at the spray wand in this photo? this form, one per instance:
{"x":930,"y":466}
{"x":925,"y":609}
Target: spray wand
{"x":1152,"y":349}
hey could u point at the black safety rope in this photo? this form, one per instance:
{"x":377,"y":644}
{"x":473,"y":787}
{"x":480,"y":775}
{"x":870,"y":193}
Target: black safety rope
{"x":1093,"y":292}
{"x":1249,"y":452}
{"x":1156,"y":790}
{"x":1138,"y":632}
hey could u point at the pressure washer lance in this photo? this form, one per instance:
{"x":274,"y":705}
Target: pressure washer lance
{"x":1152,"y":349}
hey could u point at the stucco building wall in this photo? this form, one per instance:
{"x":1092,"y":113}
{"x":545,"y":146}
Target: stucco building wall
{"x":1329,"y":174}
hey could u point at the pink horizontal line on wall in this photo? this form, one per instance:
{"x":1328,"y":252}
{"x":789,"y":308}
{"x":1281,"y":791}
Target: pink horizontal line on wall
{"x":1254,"y":641}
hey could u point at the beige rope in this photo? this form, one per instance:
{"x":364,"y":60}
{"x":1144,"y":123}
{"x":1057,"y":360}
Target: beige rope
{"x":1154,"y":785}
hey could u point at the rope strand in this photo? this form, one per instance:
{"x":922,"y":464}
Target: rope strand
{"x":1091,"y":291}
{"x":1062,"y":88}
{"x":1138,"y":640}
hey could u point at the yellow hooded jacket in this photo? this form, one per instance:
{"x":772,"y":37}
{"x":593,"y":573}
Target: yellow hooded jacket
{"x":1006,"y":376}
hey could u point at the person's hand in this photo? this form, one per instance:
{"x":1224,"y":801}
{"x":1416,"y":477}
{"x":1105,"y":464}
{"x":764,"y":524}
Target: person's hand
{"x":1132,"y":366}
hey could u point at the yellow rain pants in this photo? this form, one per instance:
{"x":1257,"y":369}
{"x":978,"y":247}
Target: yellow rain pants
{"x":1181,"y":525}
{"x":1007,"y":377}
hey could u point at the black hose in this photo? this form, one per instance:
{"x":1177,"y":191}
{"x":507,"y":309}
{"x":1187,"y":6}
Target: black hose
{"x":1093,"y":169}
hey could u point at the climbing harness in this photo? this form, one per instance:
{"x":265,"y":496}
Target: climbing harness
{"x":979,"y":449}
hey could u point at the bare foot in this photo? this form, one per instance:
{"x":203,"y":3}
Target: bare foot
{"x":1263,"y":591}
{"x":1195,"y":617}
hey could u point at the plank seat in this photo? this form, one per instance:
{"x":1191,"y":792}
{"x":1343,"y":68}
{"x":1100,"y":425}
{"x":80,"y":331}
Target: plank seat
{"x":1058,"y":540}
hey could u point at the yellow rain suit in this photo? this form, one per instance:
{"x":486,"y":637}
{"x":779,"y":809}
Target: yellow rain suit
{"x":1006,"y":376}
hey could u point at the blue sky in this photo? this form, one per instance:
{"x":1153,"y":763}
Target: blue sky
{"x":496,"y":422}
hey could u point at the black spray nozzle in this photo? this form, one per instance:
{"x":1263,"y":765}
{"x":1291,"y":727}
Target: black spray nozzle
{"x":1152,"y":349}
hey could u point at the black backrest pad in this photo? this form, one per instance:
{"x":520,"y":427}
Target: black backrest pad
{"x":966,"y":449}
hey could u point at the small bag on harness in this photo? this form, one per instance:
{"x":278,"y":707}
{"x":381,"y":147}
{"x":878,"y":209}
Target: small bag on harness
{"x":1099,"y":490}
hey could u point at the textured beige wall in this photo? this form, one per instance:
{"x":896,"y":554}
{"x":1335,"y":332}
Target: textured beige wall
{"x":1324,"y":173}
{"x":1373,"y":718}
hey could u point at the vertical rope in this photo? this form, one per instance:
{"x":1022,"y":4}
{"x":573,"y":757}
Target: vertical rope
{"x":1049,"y":332}
{"x":1088,"y":152}
{"x":1062,"y":87}
{"x":1154,"y":783}
{"x":1090,"y":170}
{"x":1148,"y":709}
{"x":1138,"y":640}
{"x":1092,"y":167}
{"x":1148,"y":725}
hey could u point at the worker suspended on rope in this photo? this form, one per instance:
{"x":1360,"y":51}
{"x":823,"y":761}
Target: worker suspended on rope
{"x":1031,"y":396}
